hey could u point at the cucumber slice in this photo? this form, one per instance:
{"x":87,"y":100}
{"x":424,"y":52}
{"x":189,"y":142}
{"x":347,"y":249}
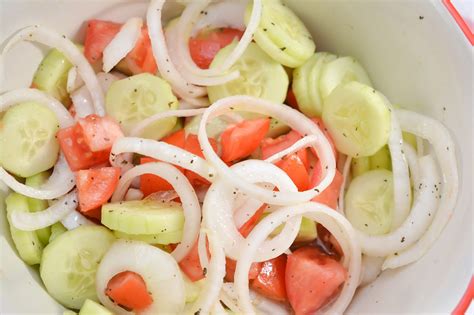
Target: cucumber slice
{"x":214,"y":127}
{"x":164,"y":238}
{"x":69,"y":264}
{"x":381,"y":159}
{"x":358,"y":119}
{"x":69,"y":312}
{"x":360,"y":166}
{"x":135,"y":98}
{"x":260,"y":76}
{"x":56,"y":230}
{"x":28,"y":143}
{"x":369,"y":202}
{"x":143,"y":217}
{"x":192,"y":289}
{"x":306,"y":233}
{"x":39,"y":205}
{"x":306,"y":84}
{"x":92,"y":308}
{"x":51,"y":76}
{"x":27,"y":243}
{"x":340,"y":71}
{"x":281,"y":34}
{"x":277,"y":128}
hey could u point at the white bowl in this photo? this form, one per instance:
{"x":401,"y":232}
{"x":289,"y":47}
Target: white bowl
{"x":415,"y":54}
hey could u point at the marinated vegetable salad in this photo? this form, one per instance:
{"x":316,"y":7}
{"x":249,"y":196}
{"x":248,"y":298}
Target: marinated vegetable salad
{"x":216,"y":163}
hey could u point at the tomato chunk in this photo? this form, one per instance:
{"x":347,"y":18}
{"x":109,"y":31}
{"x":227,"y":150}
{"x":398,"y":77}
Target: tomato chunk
{"x":272,"y":146}
{"x":291,"y":99}
{"x":311,"y":279}
{"x":100,"y":133}
{"x":270,"y":281}
{"x":192,"y":145}
{"x":329,"y":195}
{"x":240,"y":140}
{"x":191,"y":265}
{"x":204,"y":47}
{"x":128,"y":289}
{"x":248,"y":226}
{"x":296,"y":170}
{"x":231,"y":264}
{"x":141,"y":58}
{"x":78,"y":154}
{"x":96,"y":186}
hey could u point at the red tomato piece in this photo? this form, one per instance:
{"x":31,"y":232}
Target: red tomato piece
{"x":296,"y":170}
{"x":325,"y":131}
{"x":240,"y":140}
{"x":150,"y":183}
{"x":98,"y":35}
{"x":270,"y":281}
{"x":77,"y":153}
{"x":206,"y":45}
{"x":329,"y":195}
{"x":248,"y":226}
{"x":128,"y":289}
{"x":141,"y":58}
{"x":291,"y":99}
{"x":191,"y":265}
{"x":272,"y":146}
{"x":96,"y":186}
{"x":192,"y":145}
{"x":311,"y":279}
{"x":100,"y":133}
{"x":177,"y":139}
{"x":231,"y":264}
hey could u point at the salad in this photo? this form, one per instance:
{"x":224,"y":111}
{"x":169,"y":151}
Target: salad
{"x":215,"y":163}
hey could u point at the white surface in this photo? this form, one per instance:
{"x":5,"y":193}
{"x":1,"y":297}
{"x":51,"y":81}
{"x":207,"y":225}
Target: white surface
{"x":425,"y":64}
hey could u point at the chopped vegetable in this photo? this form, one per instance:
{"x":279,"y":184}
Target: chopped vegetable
{"x":99,"y":133}
{"x":96,"y":186}
{"x":270,"y":281}
{"x":128,"y":290}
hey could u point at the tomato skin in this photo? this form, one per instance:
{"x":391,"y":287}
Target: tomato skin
{"x":248,"y":226}
{"x":141,"y":59}
{"x":291,"y":99}
{"x":296,"y":170}
{"x":240,"y":140}
{"x":204,"y":47}
{"x":272,"y":146}
{"x":270,"y":281}
{"x":100,"y":133}
{"x":98,"y":35}
{"x":96,"y":186}
{"x":330,"y":195}
{"x":191,"y":265}
{"x":231,"y":265}
{"x":77,"y":153}
{"x":128,"y":289}
{"x":311,"y":279}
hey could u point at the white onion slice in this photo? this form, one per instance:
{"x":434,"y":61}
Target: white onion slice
{"x":60,"y":182}
{"x":202,"y":249}
{"x":166,"y":114}
{"x":285,"y":115}
{"x":190,"y":103}
{"x":371,"y":268}
{"x":339,"y":227}
{"x":31,"y":221}
{"x":122,"y":43}
{"x":160,"y":51}
{"x":74,"y":81}
{"x":401,"y":179}
{"x":74,"y":220}
{"x":229,"y":13}
{"x":164,"y":196}
{"x":218,"y":214}
{"x":160,"y":151}
{"x":244,"y":212}
{"x":189,"y":201}
{"x":418,"y":220}
{"x":50,"y":38}
{"x":184,"y":27}
{"x":346,"y":171}
{"x":17,"y":96}
{"x":413,"y":163}
{"x":438,"y":136}
{"x":133,"y":194}
{"x":166,"y":285}
{"x":420,"y":146}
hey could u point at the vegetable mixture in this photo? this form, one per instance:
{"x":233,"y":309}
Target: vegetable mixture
{"x":214,"y":163}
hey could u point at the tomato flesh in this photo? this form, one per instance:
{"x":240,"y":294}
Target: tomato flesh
{"x":100,"y":133}
{"x":270,"y":281}
{"x":96,"y":186}
{"x":128,"y":289}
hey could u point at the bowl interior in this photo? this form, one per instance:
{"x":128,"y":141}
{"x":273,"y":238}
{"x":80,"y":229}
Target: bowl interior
{"x":414,"y":53}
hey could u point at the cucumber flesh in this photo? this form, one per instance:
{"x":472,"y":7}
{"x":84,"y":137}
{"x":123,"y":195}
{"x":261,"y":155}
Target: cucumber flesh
{"x":358,"y":119}
{"x":192,"y":289}
{"x":369,"y":202}
{"x":281,"y":34}
{"x":131,"y":100}
{"x":381,"y":159}
{"x":27,"y":243}
{"x":164,"y":238}
{"x":148,"y":217}
{"x":51,"y":76}
{"x":39,"y":205}
{"x":69,"y":264}
{"x":69,"y":312}
{"x":340,"y":71}
{"x":214,"y":127}
{"x":93,"y":308}
{"x":360,"y":166}
{"x":306,"y":233}
{"x":56,"y":230}
{"x":260,"y":76}
{"x":28,"y":143}
{"x":277,"y":128}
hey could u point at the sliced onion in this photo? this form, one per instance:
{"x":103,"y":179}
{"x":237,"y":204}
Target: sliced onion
{"x":339,"y":227}
{"x":74,"y":220}
{"x":415,"y":225}
{"x":438,"y":136}
{"x":244,"y":212}
{"x":285,"y":115}
{"x":17,"y":96}
{"x":185,"y":24}
{"x":345,"y":180}
{"x":413,"y":163}
{"x":401,"y":179}
{"x":160,"y":51}
{"x":202,"y":249}
{"x":122,"y":43}
{"x":50,"y":38}
{"x":166,"y":114}
{"x":58,"y":184}
{"x":229,"y":13}
{"x":31,"y":221}
{"x":133,"y":194}
{"x":160,"y":151}
{"x":420,"y":146}
{"x":74,"y":81}
{"x":218,"y":214}
{"x":371,"y":269}
{"x":164,"y":196}
{"x":189,"y":201}
{"x":165,"y":285}
{"x":190,"y":103}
